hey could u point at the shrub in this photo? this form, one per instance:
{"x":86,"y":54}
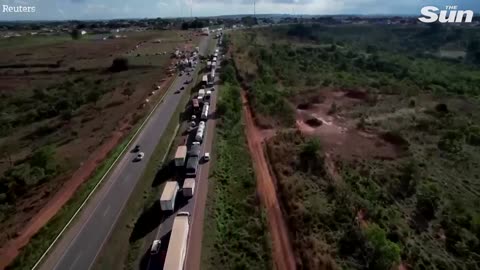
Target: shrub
{"x":119,"y":64}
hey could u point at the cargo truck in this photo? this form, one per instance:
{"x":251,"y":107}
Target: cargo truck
{"x":195,"y":105}
{"x":194,"y":151}
{"x":169,"y":194}
{"x":180,"y":155}
{"x":177,"y":247}
{"x":189,"y":187}
{"x":200,"y":131}
{"x":204,"y":79}
{"x":204,"y":115}
{"x":191,"y":167}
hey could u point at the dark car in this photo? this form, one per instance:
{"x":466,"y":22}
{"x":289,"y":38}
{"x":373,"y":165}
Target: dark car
{"x":136,"y":148}
{"x":176,"y":92}
{"x":181,"y":88}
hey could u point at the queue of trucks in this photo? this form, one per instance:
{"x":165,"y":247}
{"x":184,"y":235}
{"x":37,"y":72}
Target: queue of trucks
{"x":186,"y":160}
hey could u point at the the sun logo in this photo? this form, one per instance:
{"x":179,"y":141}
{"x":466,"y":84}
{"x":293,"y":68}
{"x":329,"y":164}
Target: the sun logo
{"x":451,"y":14}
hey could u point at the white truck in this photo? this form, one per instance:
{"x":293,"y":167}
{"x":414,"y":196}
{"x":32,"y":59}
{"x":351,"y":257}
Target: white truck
{"x":204,"y":115}
{"x":177,"y":247}
{"x":189,"y":187}
{"x":180,"y":155}
{"x":169,"y":194}
{"x":201,"y":94}
{"x":200,"y":131}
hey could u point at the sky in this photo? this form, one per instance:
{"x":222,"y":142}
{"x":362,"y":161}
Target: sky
{"x":111,"y":9}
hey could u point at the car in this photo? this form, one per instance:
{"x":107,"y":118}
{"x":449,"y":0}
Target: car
{"x":181,"y":73}
{"x":136,"y":148}
{"x":176,"y":92}
{"x":194,"y":117}
{"x":155,"y":247}
{"x":206,"y":156}
{"x":181,"y":88}
{"x":140,"y":156}
{"x":188,"y":73}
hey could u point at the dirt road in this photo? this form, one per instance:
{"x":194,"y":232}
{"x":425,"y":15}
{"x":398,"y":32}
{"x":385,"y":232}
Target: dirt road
{"x":283,"y":255}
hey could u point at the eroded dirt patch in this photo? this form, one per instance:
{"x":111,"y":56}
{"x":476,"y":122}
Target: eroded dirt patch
{"x":341,"y":136}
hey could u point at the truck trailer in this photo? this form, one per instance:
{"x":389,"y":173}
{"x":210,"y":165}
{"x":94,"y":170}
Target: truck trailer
{"x":200,"y":131}
{"x":204,"y":115}
{"x":180,"y":155}
{"x":191,"y":167}
{"x":177,"y":247}
{"x":169,"y":194}
{"x":189,"y":187}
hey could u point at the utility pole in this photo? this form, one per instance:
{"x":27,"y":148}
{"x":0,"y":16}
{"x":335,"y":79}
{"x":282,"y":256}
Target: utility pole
{"x":191,"y":9}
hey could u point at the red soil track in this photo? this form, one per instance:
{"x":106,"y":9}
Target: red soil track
{"x":283,"y":255}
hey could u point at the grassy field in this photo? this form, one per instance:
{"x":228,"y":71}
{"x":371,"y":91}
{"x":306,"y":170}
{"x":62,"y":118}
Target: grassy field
{"x":235,"y":233}
{"x":377,"y":153}
{"x":32,"y":41}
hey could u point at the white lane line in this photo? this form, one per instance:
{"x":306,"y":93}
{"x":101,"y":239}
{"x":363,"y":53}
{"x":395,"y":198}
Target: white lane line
{"x":106,"y":210}
{"x":75,"y":261}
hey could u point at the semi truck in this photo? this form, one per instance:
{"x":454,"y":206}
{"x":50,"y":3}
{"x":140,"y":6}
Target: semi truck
{"x":169,"y":194}
{"x":189,"y":187}
{"x":204,"y":79}
{"x":200,"y":131}
{"x":195,"y":105}
{"x":204,"y":115}
{"x":177,"y":247}
{"x":194,"y":151}
{"x":180,"y":155}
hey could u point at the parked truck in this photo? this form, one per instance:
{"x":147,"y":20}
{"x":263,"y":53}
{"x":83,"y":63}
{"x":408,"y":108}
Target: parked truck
{"x":195,"y":105}
{"x":191,"y":167}
{"x":200,"y":131}
{"x":204,"y":79}
{"x":169,"y":194}
{"x":177,"y":247}
{"x":205,"y":109}
{"x":180,"y":155}
{"x":189,"y":187}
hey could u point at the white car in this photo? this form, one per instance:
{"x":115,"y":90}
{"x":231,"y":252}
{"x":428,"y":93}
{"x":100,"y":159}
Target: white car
{"x":140,"y":156}
{"x":206,"y":156}
{"x":155,"y":247}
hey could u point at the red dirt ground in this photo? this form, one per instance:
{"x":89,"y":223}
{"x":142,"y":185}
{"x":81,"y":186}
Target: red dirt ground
{"x":283,"y":255}
{"x":11,"y":249}
{"x":340,"y":136}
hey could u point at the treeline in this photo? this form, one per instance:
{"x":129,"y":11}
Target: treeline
{"x":21,"y":178}
{"x":238,"y":237}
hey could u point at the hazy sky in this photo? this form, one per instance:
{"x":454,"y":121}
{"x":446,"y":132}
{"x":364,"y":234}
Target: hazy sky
{"x":108,"y":9}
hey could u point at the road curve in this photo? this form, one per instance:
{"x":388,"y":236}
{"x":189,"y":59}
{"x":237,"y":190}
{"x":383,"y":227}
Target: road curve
{"x":83,"y":241}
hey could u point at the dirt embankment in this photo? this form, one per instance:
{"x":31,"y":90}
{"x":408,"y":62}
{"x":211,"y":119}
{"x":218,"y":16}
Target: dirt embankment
{"x":283,"y":255}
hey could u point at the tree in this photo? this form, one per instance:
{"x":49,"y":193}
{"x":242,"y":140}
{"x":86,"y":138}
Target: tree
{"x":76,"y":34}
{"x":128,"y":92}
{"x":44,"y":158}
{"x":119,"y":64}
{"x":385,"y":253}
{"x":311,"y":147}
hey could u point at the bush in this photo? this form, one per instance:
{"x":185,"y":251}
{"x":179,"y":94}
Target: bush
{"x":119,"y":64}
{"x":385,"y":253}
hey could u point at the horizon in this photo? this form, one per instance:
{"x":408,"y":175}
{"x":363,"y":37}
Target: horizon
{"x":87,"y":10}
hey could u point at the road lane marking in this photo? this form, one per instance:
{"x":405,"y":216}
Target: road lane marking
{"x":106,"y":210}
{"x":75,"y":261}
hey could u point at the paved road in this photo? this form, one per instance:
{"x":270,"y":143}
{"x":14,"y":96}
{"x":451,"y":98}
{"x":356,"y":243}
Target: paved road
{"x":195,"y":205}
{"x":82,"y":243}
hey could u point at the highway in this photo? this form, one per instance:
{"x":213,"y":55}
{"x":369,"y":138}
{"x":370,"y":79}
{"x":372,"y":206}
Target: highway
{"x":195,"y":205}
{"x":83,"y":241}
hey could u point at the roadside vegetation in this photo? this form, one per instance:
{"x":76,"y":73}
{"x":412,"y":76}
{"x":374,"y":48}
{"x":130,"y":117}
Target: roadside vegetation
{"x":235,"y":233}
{"x":381,"y":167}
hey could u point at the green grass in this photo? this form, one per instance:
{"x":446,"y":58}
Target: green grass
{"x":235,"y":233}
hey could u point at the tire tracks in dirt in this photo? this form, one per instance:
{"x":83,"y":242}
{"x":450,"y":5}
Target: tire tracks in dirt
{"x":283,"y":256}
